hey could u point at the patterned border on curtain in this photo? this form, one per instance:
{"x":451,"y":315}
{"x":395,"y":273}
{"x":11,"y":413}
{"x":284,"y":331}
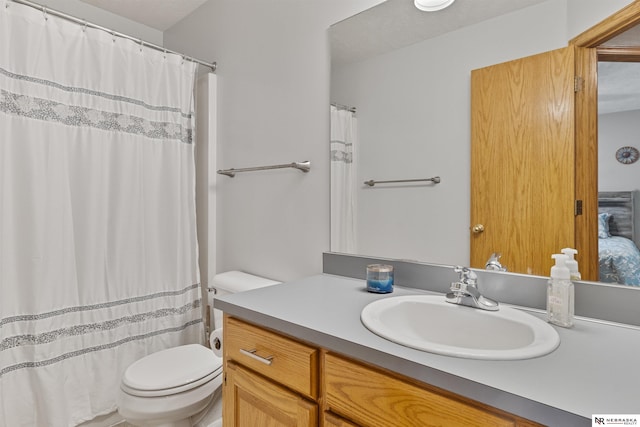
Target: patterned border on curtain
{"x":98,"y":249}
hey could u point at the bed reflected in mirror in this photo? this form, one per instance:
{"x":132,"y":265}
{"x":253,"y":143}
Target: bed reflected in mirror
{"x":619,"y":257}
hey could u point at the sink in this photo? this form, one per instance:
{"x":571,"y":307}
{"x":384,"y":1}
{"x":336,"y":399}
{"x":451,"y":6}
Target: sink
{"x":429,"y":323}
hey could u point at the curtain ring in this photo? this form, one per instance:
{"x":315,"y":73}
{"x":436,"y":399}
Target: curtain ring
{"x":165,"y":54}
{"x":44,"y":12}
{"x":141,"y":44}
{"x":113,"y":36}
{"x":84,"y":26}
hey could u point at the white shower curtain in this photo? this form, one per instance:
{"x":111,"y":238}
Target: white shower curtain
{"x":343,"y":180}
{"x":98,"y":251}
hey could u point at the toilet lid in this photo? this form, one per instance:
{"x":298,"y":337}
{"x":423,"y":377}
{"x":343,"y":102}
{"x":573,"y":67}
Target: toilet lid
{"x":171,"y":368}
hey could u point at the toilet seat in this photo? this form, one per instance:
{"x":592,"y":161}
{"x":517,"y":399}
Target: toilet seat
{"x":171,"y":371}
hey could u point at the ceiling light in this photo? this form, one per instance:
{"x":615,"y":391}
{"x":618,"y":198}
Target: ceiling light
{"x":432,"y":5}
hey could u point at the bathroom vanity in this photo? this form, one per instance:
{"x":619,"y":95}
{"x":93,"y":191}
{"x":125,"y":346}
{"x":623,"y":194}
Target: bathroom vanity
{"x":298,"y":353}
{"x":289,"y":372}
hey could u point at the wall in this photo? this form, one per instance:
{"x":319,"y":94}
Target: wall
{"x":273,"y":96}
{"x":105,"y":19}
{"x":585,"y":14}
{"x":273,"y":91}
{"x":617,"y":130}
{"x":414,"y":122}
{"x":206,"y":177}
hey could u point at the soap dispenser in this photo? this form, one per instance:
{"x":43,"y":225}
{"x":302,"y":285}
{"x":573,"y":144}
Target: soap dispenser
{"x":571,"y":263}
{"x":560,"y":293}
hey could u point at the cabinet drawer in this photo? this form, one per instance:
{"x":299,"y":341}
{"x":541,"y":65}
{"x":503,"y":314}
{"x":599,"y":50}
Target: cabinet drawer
{"x":371,"y":398}
{"x":288,"y":362}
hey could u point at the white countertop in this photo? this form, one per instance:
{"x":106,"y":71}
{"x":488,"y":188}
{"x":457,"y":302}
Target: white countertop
{"x":593,"y":371}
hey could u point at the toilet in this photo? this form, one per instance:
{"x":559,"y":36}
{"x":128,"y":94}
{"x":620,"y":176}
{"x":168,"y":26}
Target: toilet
{"x":171,"y":387}
{"x":181,"y":386}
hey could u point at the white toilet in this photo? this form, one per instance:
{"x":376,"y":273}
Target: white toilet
{"x":171,"y":387}
{"x":180,"y":386}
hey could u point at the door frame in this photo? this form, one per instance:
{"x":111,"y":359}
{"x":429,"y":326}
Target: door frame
{"x":587,"y":53}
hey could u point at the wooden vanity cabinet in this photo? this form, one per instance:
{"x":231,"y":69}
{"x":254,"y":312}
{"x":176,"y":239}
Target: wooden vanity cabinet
{"x":273,"y":380}
{"x":269,"y":379}
{"x":370,"y":396}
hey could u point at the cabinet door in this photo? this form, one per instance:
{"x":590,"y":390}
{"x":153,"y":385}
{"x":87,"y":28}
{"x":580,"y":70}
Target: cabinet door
{"x":374,"y":399}
{"x":251,"y":400}
{"x":523,"y":160}
{"x":332,"y":420}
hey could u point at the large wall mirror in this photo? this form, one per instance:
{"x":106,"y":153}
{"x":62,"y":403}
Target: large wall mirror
{"x":407,"y":74}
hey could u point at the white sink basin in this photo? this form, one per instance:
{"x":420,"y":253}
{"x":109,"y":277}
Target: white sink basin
{"x":428,"y":323}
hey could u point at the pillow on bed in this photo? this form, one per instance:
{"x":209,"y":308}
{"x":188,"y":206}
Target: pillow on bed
{"x":603,"y":225}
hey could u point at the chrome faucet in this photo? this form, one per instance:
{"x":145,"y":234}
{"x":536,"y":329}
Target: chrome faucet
{"x":493,"y":263}
{"x":465,"y":291}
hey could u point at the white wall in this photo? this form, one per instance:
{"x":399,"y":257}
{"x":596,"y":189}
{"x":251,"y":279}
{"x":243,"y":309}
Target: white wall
{"x":617,"y":130}
{"x":105,"y":19}
{"x":414,"y":122}
{"x":584,"y":14}
{"x":273,"y":96}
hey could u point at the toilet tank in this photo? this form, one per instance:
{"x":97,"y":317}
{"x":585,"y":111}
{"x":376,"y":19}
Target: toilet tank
{"x":232,"y":282}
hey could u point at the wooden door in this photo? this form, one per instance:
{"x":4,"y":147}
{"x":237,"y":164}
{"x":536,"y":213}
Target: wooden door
{"x":522,"y":119}
{"x":251,"y":400}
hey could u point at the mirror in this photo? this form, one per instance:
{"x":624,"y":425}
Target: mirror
{"x":411,"y":95}
{"x":618,"y":172}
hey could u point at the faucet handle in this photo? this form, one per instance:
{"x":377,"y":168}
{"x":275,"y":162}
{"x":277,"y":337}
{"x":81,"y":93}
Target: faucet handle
{"x":493,"y":263}
{"x":458,"y":288}
{"x":467,"y":276}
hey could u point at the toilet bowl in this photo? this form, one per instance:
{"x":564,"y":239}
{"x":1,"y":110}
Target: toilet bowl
{"x":179,"y":386}
{"x":170,"y":388}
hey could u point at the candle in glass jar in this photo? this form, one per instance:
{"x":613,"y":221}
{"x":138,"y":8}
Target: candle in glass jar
{"x":380,"y":278}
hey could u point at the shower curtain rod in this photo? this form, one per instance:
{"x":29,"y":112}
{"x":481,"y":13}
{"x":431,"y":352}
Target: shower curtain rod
{"x":71,"y":18}
{"x":344,"y":107}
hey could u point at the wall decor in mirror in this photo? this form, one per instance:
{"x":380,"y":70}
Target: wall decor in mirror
{"x":627,"y":155}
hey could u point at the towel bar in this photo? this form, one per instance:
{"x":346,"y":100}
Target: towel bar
{"x":371,"y":182}
{"x":303,"y":166}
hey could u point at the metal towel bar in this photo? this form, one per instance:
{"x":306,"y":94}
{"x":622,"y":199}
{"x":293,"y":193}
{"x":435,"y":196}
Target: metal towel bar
{"x":303,"y":166}
{"x":435,"y":180}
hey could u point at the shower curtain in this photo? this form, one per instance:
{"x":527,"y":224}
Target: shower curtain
{"x":343,"y":180}
{"x":98,"y":251}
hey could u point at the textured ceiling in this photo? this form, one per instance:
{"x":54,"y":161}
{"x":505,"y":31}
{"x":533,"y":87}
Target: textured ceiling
{"x":397,"y":23}
{"x":619,"y":82}
{"x":618,"y":86}
{"x":158,"y":14}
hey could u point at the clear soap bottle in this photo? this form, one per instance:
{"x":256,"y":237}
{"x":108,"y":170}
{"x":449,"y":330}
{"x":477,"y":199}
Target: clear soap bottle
{"x":572,"y":264}
{"x":560,"y":294}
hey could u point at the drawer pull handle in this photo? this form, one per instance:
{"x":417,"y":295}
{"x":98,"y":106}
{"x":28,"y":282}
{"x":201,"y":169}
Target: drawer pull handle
{"x":252,"y":354}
